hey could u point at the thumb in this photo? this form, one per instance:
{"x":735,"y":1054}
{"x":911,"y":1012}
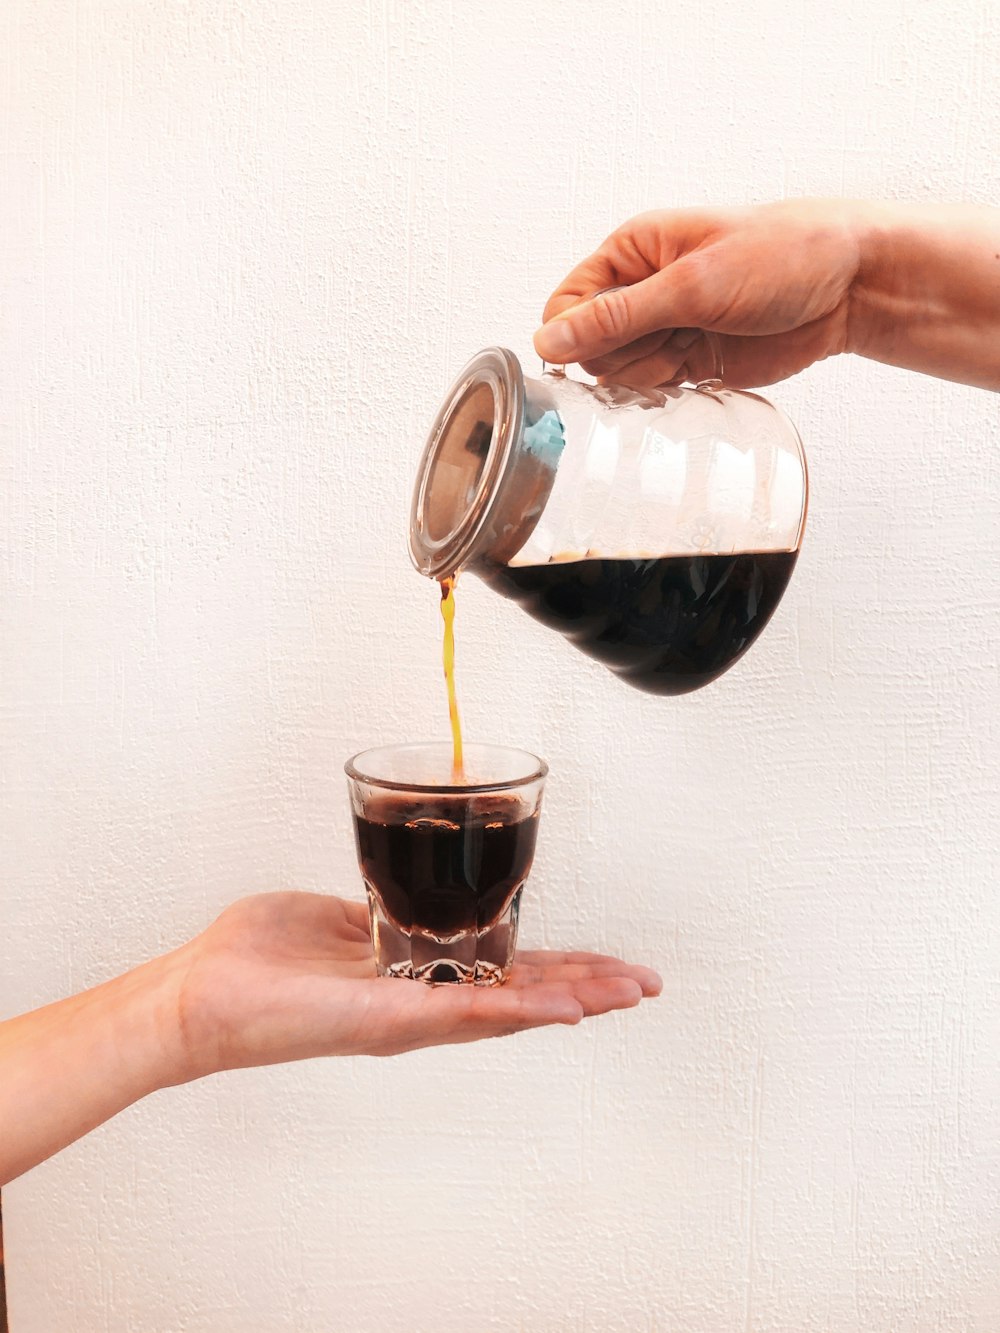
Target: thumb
{"x":601,"y":324}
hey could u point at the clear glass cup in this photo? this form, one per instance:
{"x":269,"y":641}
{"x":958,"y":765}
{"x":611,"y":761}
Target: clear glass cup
{"x":657,"y":531}
{"x":445,"y":862}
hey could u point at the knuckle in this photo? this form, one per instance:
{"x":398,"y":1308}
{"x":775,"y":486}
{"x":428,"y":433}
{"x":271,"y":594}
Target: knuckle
{"x":690,"y":275}
{"x":706,"y":287}
{"x":612,"y":315}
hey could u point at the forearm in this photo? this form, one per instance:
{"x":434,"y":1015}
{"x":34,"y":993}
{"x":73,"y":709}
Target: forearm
{"x":927,"y":294}
{"x":67,"y":1068}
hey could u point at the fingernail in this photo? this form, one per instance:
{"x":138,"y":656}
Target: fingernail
{"x":684,"y":338}
{"x":555,"y":341}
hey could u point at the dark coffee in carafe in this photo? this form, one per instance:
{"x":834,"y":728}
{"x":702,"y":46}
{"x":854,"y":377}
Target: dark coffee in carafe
{"x":666,"y":626}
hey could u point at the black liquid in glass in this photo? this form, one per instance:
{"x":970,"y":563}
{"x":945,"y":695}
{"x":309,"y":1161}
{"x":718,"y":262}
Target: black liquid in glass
{"x":666,"y":625}
{"x":449,"y":867}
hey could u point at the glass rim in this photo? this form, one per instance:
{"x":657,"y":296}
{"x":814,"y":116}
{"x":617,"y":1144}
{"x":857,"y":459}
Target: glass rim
{"x":536,"y":769}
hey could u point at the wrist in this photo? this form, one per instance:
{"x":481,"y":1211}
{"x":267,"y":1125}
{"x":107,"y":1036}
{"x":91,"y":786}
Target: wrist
{"x":927,"y":292}
{"x":878,"y":230}
{"x":143,"y":1009}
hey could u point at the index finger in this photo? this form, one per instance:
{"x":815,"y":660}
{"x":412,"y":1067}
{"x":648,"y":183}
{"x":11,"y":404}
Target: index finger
{"x":634,"y":251}
{"x":592,"y":275}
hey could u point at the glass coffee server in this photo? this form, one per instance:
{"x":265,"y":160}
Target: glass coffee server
{"x":656,"y":531}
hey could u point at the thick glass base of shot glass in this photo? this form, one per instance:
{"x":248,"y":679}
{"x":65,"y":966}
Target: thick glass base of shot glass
{"x":477,"y":957}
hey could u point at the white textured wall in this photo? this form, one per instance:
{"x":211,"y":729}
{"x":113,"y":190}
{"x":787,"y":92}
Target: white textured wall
{"x":243,"y":248}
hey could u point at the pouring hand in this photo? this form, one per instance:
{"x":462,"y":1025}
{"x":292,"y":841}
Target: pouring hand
{"x":773,"y":282}
{"x":784,"y":285}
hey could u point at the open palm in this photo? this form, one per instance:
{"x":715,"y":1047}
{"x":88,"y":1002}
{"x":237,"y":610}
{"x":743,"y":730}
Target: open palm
{"x":287,"y":976}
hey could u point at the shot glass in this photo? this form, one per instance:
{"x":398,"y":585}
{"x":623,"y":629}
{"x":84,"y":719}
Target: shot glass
{"x":444,"y":858}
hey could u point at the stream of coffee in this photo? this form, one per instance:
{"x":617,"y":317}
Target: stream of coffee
{"x":448,"y":616}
